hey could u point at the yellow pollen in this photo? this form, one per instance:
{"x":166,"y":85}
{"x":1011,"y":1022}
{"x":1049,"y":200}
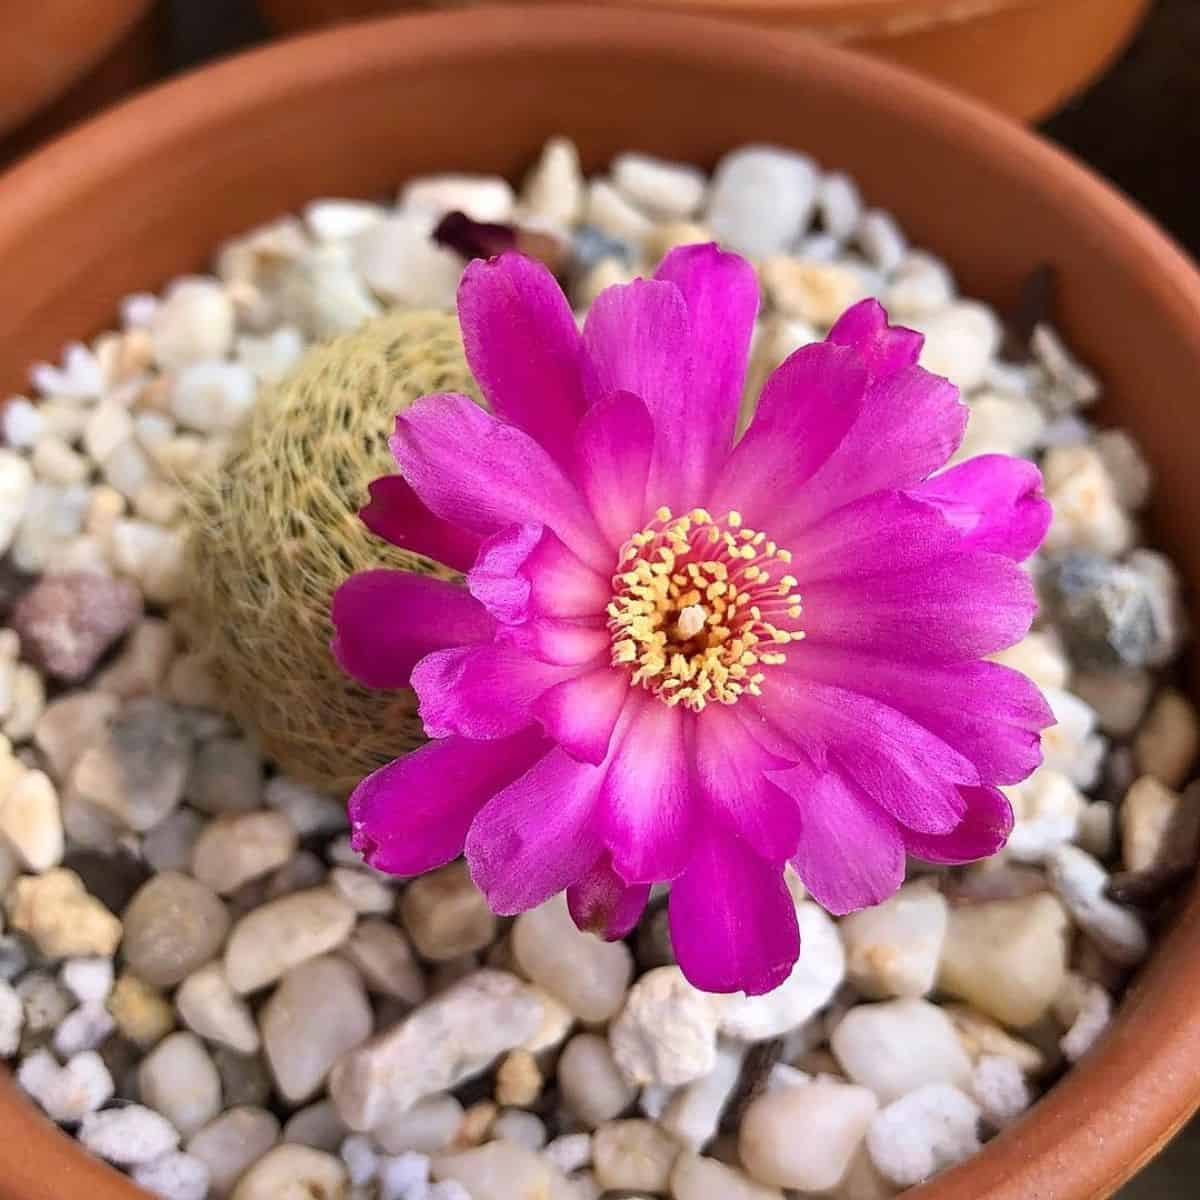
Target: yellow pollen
{"x":696,"y":610}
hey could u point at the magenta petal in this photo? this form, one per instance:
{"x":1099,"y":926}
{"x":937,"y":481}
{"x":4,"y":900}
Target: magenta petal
{"x":889,"y":531}
{"x":561,"y":643}
{"x":964,"y":606}
{"x":897,"y":763}
{"x":646,"y":799}
{"x":413,"y":815}
{"x":851,"y":854}
{"x":475,"y":471}
{"x":396,"y":514}
{"x":807,"y":407}
{"x":483,"y":691}
{"x":885,"y":348}
{"x":988,"y":713}
{"x":580,"y":714}
{"x":733,"y":922}
{"x":731,"y":771}
{"x":523,"y":348}
{"x":721,"y":292}
{"x":995,"y":502}
{"x":908,"y":426}
{"x":983,"y":831}
{"x":604,"y":904}
{"x":538,"y":836}
{"x":524,"y":571}
{"x":638,"y":340}
{"x":385,"y":622}
{"x":612,"y":463}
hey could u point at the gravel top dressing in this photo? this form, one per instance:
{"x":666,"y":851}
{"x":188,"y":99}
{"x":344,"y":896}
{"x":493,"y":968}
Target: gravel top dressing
{"x":202,"y":981}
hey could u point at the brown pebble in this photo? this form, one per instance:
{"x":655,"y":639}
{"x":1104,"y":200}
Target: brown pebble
{"x":66,"y":622}
{"x":476,"y":1124}
{"x":518,"y":1080}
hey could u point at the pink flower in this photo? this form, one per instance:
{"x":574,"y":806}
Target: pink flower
{"x":677,"y":658}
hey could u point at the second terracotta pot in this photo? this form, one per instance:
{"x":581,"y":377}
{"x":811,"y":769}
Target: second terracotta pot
{"x":1025,"y":57}
{"x":147,"y":192}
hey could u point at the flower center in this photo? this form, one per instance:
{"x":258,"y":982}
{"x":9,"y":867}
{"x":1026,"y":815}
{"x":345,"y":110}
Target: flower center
{"x":699,"y":606}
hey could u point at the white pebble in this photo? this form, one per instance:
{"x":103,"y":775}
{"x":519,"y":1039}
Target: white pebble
{"x":360,"y":1158}
{"x":696,"y":1178}
{"x":1087,"y":513}
{"x":923,"y":1133}
{"x":212,"y":396}
{"x":128,"y":1136}
{"x":12,"y":1018}
{"x":667,"y":189}
{"x":82,"y":1086}
{"x":83,"y":1029}
{"x":405,"y":1177}
{"x":486,"y":198}
{"x":588,"y":975}
{"x":1047,"y":807}
{"x":667,"y":1031}
{"x":211,"y":1008}
{"x":293,"y":1173}
{"x":805,"y":1137}
{"x":694,"y":1113}
{"x":179,"y":1080}
{"x":1080,"y":882}
{"x":194,"y":322}
{"x":898,"y":1046}
{"x":894,"y":948}
{"x":55,"y":462}
{"x":317,"y":1014}
{"x":237,"y":848}
{"x":1072,"y":746}
{"x":1168,"y":741}
{"x":174,"y":1176}
{"x":31,"y":821}
{"x":16,"y":483}
{"x":571,"y":1152}
{"x":271,"y":356}
{"x":501,"y":1171}
{"x":999,"y":1087}
{"x":593,"y":1089}
{"x":79,"y":377}
{"x":427,"y":1127}
{"x":761,"y":199}
{"x":21,"y":422}
{"x":523,"y":1128}
{"x":881,"y":240}
{"x":1007,"y":957}
{"x":400,"y":261}
{"x":1089,"y":1016}
{"x":1000,"y":424}
{"x":839,"y":204}
{"x":960,"y":341}
{"x":449,"y":1039}
{"x":336,"y":220}
{"x":231,"y":1142}
{"x":272,"y":939}
{"x":610,"y":212}
{"x":89,"y":980}
{"x":554,"y":187}
{"x":633,"y":1155}
{"x":919,"y":285}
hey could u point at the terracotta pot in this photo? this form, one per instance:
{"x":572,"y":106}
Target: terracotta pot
{"x":147,"y":192}
{"x":49,"y":45}
{"x":1024,"y":56}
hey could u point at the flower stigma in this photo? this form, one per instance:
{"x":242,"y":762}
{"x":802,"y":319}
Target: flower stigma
{"x":698,"y":608}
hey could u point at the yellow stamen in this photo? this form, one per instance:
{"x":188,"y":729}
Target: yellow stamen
{"x":695,"y":611}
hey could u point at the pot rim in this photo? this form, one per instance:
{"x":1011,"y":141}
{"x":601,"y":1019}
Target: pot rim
{"x":1119,"y":1106}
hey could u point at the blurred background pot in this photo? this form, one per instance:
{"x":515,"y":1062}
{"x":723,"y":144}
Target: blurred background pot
{"x":1026,"y":57}
{"x":64,"y":59}
{"x":147,"y":192}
